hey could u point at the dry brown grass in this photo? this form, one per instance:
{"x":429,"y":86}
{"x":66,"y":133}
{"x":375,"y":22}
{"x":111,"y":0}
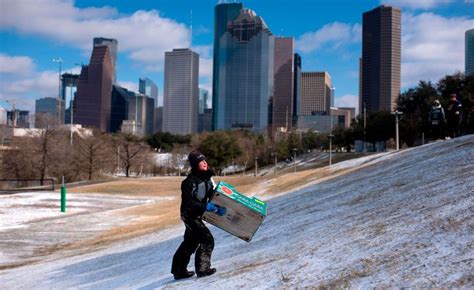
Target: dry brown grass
{"x":148,"y":218}
{"x":156,"y":186}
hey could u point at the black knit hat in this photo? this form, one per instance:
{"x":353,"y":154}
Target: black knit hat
{"x":195,"y":157}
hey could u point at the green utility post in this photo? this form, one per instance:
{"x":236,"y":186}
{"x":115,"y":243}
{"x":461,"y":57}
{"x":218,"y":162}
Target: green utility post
{"x":63,"y":197}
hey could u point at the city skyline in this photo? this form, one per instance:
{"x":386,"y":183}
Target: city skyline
{"x":432,"y":40}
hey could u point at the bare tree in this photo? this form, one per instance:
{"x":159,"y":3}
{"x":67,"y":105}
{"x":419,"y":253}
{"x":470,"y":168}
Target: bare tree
{"x":43,"y":151}
{"x":93,"y":152}
{"x":132,"y":151}
{"x":17,"y":159}
{"x":178,"y":157}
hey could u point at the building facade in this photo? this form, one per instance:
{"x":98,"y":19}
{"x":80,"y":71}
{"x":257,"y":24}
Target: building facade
{"x":297,"y":76}
{"x":141,"y":109}
{"x":352,"y":111}
{"x":49,"y":112}
{"x":181,"y":91}
{"x":205,"y":121}
{"x":315,"y":93}
{"x":112,"y":44}
{"x":381,"y":58}
{"x":119,"y":107}
{"x":3,"y":116}
{"x":149,"y":88}
{"x":245,"y":71}
{"x":223,"y":13}
{"x":68,"y":93}
{"x":94,"y":91}
{"x":203,"y":99}
{"x":18,"y":118}
{"x":469,"y":48}
{"x":282,"y":104}
{"x":158,"y":119}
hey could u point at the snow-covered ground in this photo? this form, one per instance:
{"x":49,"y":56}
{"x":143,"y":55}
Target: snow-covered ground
{"x":402,"y":219}
{"x":20,"y":209}
{"x":32,"y":222}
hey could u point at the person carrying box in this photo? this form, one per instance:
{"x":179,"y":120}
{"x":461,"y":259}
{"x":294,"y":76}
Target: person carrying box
{"x":196,"y":191}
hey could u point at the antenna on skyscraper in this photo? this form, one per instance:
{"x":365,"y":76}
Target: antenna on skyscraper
{"x":190,"y":28}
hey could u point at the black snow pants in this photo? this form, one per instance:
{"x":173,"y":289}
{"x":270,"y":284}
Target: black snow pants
{"x":197,"y":238}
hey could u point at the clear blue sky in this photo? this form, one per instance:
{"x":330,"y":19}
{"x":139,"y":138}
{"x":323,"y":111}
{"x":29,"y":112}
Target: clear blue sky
{"x":327,"y":34}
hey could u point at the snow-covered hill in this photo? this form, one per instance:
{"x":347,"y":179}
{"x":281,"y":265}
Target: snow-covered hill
{"x":403,"y":219}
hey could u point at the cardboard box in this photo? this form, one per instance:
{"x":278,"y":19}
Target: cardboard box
{"x":243,"y":215}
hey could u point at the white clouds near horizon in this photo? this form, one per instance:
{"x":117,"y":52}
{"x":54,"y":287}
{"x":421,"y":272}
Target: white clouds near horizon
{"x":16,"y":65}
{"x":416,"y":4}
{"x":334,"y":35}
{"x":144,"y":35}
{"x":348,"y":101}
{"x":432,"y":46}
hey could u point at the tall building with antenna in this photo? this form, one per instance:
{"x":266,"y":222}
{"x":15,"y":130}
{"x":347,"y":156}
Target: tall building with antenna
{"x":243,"y":75}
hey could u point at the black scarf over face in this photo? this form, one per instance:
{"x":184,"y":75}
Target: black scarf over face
{"x":202,"y":175}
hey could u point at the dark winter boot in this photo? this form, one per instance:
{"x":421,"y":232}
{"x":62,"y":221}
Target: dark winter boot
{"x":183,"y":275}
{"x":208,"y":272}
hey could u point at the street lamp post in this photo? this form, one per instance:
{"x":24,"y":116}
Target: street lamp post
{"x":365,"y":123}
{"x":71,"y":106}
{"x":397,"y":113}
{"x":60,"y":61}
{"x":275,"y":154}
{"x":331,"y":135}
{"x":256,"y":164}
{"x":294,"y":160}
{"x":14,"y":114}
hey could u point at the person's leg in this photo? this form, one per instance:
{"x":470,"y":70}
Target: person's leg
{"x":458,"y":129}
{"x":183,"y":254}
{"x":204,"y":251}
{"x":435,"y":130}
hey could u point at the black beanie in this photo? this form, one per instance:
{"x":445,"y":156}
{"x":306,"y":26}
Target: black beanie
{"x":195,"y":157}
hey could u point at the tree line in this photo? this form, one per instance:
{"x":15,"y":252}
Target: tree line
{"x":416,"y":104}
{"x":51,"y":154}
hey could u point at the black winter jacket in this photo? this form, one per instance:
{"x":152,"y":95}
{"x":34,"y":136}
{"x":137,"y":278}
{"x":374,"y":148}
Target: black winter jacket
{"x":196,"y":190}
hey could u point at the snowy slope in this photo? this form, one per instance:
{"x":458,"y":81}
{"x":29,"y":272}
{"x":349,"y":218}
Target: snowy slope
{"x":404,"y":219}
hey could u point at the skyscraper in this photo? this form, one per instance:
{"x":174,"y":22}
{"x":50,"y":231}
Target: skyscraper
{"x":315,"y":93}
{"x":203,"y":97}
{"x":112,"y":44}
{"x":469,"y":52}
{"x":119,"y":107}
{"x":68,"y":91}
{"x":49,"y":112}
{"x":18,"y":118}
{"x":158,"y":126}
{"x":181,"y":91}
{"x":94,"y":90}
{"x":3,"y":116}
{"x":245,"y":74}
{"x":296,"y":88}
{"x":149,"y":88}
{"x":283,"y":97}
{"x":223,"y":13}
{"x":381,"y":54}
{"x":141,"y":109}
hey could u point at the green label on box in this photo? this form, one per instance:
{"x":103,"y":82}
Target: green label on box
{"x":252,"y":203}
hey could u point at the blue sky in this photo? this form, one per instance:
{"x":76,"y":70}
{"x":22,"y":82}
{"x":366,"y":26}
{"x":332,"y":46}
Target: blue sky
{"x":327,"y":34}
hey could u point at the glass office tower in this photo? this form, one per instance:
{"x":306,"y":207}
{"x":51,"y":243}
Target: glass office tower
{"x":469,"y":52}
{"x":245,"y":74}
{"x":223,"y":13}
